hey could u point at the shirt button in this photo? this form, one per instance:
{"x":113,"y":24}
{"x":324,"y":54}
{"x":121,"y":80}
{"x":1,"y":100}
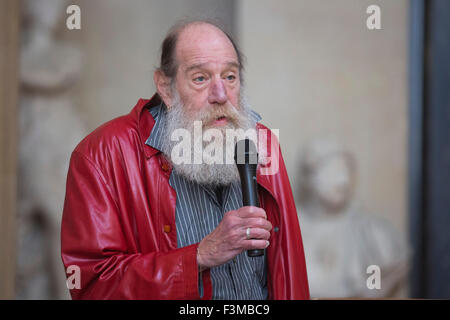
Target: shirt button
{"x":167,"y":228}
{"x":276,"y":229}
{"x":165,"y":166}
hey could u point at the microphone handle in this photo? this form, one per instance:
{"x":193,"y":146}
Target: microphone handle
{"x":250,"y":196}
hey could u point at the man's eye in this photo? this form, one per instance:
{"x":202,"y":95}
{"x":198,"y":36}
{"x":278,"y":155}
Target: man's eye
{"x":200,"y":79}
{"x":231,"y":77}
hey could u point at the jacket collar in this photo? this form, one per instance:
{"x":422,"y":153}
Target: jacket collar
{"x":146,"y":122}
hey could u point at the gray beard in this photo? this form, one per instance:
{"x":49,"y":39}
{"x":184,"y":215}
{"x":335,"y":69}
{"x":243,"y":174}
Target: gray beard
{"x":213,"y":174}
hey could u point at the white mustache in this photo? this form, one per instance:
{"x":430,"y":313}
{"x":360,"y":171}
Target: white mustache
{"x":213,"y":113}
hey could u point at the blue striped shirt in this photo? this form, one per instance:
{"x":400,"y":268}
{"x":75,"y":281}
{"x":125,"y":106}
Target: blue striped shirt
{"x":198,"y":212}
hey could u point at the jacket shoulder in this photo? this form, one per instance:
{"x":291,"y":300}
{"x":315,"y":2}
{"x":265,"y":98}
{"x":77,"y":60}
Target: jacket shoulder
{"x":115,"y":137}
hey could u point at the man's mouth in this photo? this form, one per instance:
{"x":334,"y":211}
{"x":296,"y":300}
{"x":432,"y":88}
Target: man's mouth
{"x":222,"y":120}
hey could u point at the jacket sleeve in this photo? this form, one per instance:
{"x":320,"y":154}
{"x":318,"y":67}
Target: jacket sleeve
{"x":92,"y":239}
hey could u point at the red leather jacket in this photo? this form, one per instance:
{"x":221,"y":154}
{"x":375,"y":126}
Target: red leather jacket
{"x":118,"y":223}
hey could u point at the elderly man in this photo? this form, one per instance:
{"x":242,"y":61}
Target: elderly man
{"x":140,"y":224}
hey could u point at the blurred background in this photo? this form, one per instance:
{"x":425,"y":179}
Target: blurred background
{"x":363,"y":115}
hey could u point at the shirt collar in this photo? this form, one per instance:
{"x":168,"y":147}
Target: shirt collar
{"x":159,"y":114}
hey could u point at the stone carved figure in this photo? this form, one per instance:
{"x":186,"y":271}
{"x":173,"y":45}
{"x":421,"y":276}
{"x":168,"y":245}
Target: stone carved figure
{"x":50,"y":128}
{"x":340,"y":241}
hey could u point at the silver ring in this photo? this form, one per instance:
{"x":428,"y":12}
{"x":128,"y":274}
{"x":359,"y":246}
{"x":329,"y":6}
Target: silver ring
{"x":247,"y":232}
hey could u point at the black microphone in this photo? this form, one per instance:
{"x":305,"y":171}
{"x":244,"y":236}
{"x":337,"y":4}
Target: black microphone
{"x":246,"y":159}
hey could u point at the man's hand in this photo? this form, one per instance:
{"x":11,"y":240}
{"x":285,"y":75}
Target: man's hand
{"x":230,"y":237}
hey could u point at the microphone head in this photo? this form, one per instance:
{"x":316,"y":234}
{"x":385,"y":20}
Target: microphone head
{"x":245,"y":152}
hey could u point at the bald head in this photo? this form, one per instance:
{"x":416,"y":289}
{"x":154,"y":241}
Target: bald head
{"x":186,"y":35}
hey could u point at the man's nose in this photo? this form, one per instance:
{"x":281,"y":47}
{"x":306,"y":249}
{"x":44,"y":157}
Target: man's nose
{"x":217,"y":93}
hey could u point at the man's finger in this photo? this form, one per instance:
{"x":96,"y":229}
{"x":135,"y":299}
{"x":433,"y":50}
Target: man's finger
{"x":255,"y":244}
{"x":251,"y":212}
{"x":255,"y":233}
{"x":258,"y":223}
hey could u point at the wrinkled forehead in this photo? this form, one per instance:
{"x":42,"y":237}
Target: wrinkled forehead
{"x":204,"y":43}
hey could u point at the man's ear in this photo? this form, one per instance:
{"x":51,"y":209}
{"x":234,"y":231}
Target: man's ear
{"x":162,"y":84}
